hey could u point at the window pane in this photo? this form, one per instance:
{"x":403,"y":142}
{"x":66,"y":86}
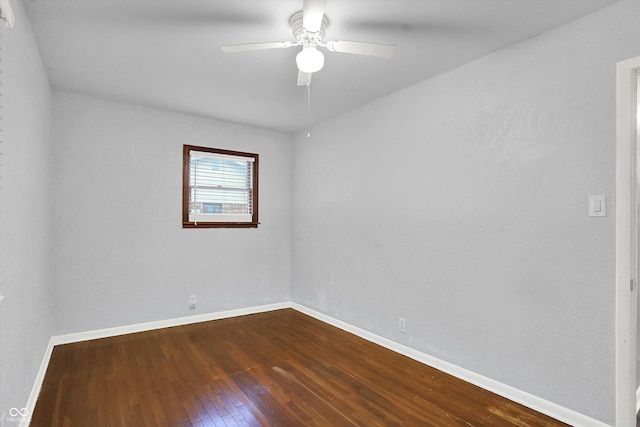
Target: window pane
{"x":220,"y":186}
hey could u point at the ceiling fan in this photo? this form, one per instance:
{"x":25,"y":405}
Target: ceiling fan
{"x":309,"y":27}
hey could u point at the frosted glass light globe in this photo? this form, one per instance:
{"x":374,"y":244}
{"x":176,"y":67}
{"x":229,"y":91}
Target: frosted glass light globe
{"x":310,"y":60}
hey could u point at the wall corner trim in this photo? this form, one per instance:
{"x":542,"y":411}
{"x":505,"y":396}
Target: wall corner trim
{"x":541,"y":405}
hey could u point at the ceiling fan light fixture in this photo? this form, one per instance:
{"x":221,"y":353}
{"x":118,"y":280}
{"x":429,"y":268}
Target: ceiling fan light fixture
{"x":308,"y":27}
{"x":310,"y":60}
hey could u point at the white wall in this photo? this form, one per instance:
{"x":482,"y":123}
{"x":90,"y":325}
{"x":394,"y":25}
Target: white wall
{"x":460,"y":204}
{"x":25,"y":313}
{"x":120,"y":254}
{"x":478,"y":236}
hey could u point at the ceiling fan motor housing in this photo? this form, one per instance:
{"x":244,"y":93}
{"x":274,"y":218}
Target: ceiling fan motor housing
{"x":304,"y":37}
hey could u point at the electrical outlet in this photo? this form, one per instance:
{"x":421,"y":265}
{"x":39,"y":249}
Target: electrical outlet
{"x":402,"y":325}
{"x":192,"y":302}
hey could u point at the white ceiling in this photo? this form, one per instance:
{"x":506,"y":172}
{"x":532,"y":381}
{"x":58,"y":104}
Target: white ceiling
{"x":166,"y":54}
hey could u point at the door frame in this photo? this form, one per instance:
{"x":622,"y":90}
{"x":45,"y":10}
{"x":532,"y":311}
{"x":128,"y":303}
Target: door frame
{"x":626,"y":236}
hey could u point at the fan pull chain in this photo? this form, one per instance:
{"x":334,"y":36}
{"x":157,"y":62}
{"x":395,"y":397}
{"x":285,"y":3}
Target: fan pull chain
{"x":309,"y":106}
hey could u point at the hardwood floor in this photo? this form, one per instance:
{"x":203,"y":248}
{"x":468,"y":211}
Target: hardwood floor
{"x":280,"y":368}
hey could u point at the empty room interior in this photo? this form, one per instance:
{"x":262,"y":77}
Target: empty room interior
{"x":433,"y":196}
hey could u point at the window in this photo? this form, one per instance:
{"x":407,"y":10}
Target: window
{"x":219,"y":188}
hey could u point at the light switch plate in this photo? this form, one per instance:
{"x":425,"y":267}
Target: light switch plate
{"x":598,"y":205}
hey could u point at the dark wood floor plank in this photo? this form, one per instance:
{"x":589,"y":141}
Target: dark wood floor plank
{"x":280,"y":368}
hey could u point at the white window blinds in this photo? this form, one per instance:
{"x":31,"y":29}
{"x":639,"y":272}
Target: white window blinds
{"x":221,"y":187}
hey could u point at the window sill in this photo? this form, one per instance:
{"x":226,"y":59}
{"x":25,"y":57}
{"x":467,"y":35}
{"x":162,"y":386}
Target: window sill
{"x":220,"y":225}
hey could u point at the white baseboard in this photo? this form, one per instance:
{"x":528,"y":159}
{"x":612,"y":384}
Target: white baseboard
{"x":536,"y":403}
{"x":130,"y":329}
{"x":638,"y":400}
{"x":37,"y":384}
{"x":149,"y":326}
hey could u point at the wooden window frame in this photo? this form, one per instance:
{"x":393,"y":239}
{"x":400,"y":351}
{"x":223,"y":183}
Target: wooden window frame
{"x":186,"y":223}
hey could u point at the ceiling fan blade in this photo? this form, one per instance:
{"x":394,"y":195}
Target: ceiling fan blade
{"x":304,"y":79}
{"x":312,"y":14}
{"x":362,"y":48}
{"x":255,"y":46}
